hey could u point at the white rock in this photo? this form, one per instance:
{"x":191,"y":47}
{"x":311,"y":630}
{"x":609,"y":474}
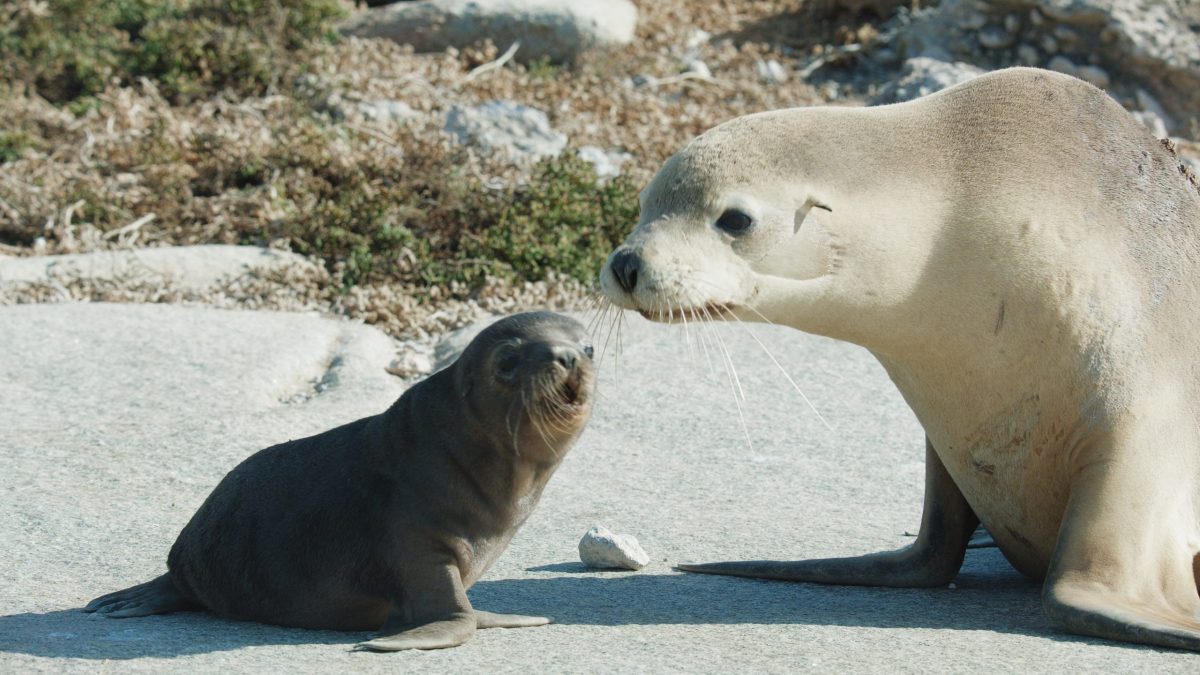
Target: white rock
{"x":556,"y":29}
{"x":1094,"y":74}
{"x":189,"y":268}
{"x":1062,"y":64}
{"x":1153,"y":122}
{"x":995,"y":37}
{"x":386,"y":110}
{"x":698,"y":68}
{"x":606,"y":164}
{"x":771,"y":71}
{"x":504,"y":126}
{"x":1027,"y":55}
{"x":602,"y":549}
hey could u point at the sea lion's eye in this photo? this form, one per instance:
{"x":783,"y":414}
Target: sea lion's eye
{"x":735,"y":222}
{"x":589,"y":350}
{"x":507,"y":362}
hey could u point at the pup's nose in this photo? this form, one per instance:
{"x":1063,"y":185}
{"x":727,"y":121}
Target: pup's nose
{"x":624,"y":265}
{"x":565,"y":356}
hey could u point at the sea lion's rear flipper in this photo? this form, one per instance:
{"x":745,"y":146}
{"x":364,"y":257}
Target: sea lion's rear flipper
{"x":158,"y":596}
{"x":932,"y":560}
{"x":434,"y":612}
{"x":493,"y":620}
{"x":1125,"y":567}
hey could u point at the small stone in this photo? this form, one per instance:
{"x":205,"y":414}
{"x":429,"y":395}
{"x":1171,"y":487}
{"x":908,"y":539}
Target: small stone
{"x":1062,"y":64}
{"x":1035,"y":17}
{"x":412,"y":363}
{"x":697,"y":68}
{"x":1027,"y":55}
{"x":1093,"y":74}
{"x":972,"y":21}
{"x":602,"y":549}
{"x":771,"y":71}
{"x":1049,"y":44}
{"x":606,"y":164}
{"x":1012,"y":23}
{"x":698,"y":38}
{"x":995,"y":37}
{"x":521,"y":131}
{"x":1066,"y":37}
{"x":1153,"y":122}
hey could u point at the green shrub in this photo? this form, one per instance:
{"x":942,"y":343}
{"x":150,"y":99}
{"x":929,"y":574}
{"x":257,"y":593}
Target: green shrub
{"x":190,"y":47}
{"x":565,"y":220}
{"x":12,"y":144}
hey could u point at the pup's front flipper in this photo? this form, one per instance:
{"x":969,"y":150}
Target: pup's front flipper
{"x":157,"y":596}
{"x":432,"y":611}
{"x":492,"y":620}
{"x":932,"y":560}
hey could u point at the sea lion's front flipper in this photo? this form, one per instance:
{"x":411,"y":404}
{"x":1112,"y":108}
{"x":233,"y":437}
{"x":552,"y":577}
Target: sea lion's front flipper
{"x":493,"y":620}
{"x":1125,"y":567}
{"x":157,"y":596}
{"x":932,"y":560}
{"x":434,"y":612}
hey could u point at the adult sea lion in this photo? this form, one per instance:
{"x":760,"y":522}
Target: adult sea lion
{"x":1023,"y":257}
{"x":387,"y":521}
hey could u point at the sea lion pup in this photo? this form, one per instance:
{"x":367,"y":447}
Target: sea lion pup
{"x":1023,"y":257}
{"x":387,"y":521}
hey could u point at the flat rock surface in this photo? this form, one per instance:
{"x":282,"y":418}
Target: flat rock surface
{"x":191,"y":267}
{"x":118,"y":420}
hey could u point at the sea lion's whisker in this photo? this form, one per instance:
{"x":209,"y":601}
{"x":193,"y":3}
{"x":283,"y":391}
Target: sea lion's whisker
{"x":786,"y":376}
{"x":731,"y":375}
{"x":728,"y":357}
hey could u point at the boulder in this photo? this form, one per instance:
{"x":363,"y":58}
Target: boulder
{"x":558,"y":30}
{"x":1124,"y":44}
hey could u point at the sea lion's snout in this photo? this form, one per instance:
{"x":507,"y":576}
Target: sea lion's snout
{"x":624,"y":265}
{"x":568,"y":366}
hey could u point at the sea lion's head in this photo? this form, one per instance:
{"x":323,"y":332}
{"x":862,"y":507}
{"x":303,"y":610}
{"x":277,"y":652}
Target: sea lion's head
{"x":719,"y":221}
{"x":528,"y":381}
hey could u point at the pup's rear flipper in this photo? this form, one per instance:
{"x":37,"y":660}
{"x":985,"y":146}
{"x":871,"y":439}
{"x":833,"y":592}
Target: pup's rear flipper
{"x":158,"y":596}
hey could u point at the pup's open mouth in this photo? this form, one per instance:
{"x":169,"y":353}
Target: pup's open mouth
{"x":706,"y":312}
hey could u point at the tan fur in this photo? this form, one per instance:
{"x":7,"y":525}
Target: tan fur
{"x":1022,"y":256}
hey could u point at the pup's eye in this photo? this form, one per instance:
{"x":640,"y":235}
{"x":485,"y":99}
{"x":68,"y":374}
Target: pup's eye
{"x":735,"y":222}
{"x":506,"y":364}
{"x":589,"y":350}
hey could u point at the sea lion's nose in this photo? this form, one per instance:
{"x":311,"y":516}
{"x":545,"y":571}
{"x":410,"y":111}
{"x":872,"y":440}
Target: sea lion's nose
{"x":624,"y":266}
{"x":565,"y":356}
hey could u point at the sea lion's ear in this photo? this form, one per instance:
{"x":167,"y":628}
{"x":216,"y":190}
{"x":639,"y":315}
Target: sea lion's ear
{"x":802,"y":212}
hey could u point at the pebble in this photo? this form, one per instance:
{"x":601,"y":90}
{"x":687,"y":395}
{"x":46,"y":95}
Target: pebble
{"x":1028,"y":55}
{"x":602,"y":549}
{"x":698,"y":68}
{"x":771,"y":71}
{"x":1061,"y":64}
{"x":973,"y":21}
{"x":1049,"y":44}
{"x":995,"y":37}
{"x":1093,"y":74}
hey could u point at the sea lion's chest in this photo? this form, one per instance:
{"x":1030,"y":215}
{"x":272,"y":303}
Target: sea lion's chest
{"x":1009,"y":451}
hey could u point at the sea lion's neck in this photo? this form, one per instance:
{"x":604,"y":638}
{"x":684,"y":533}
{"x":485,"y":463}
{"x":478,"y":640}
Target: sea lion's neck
{"x":487,"y":477}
